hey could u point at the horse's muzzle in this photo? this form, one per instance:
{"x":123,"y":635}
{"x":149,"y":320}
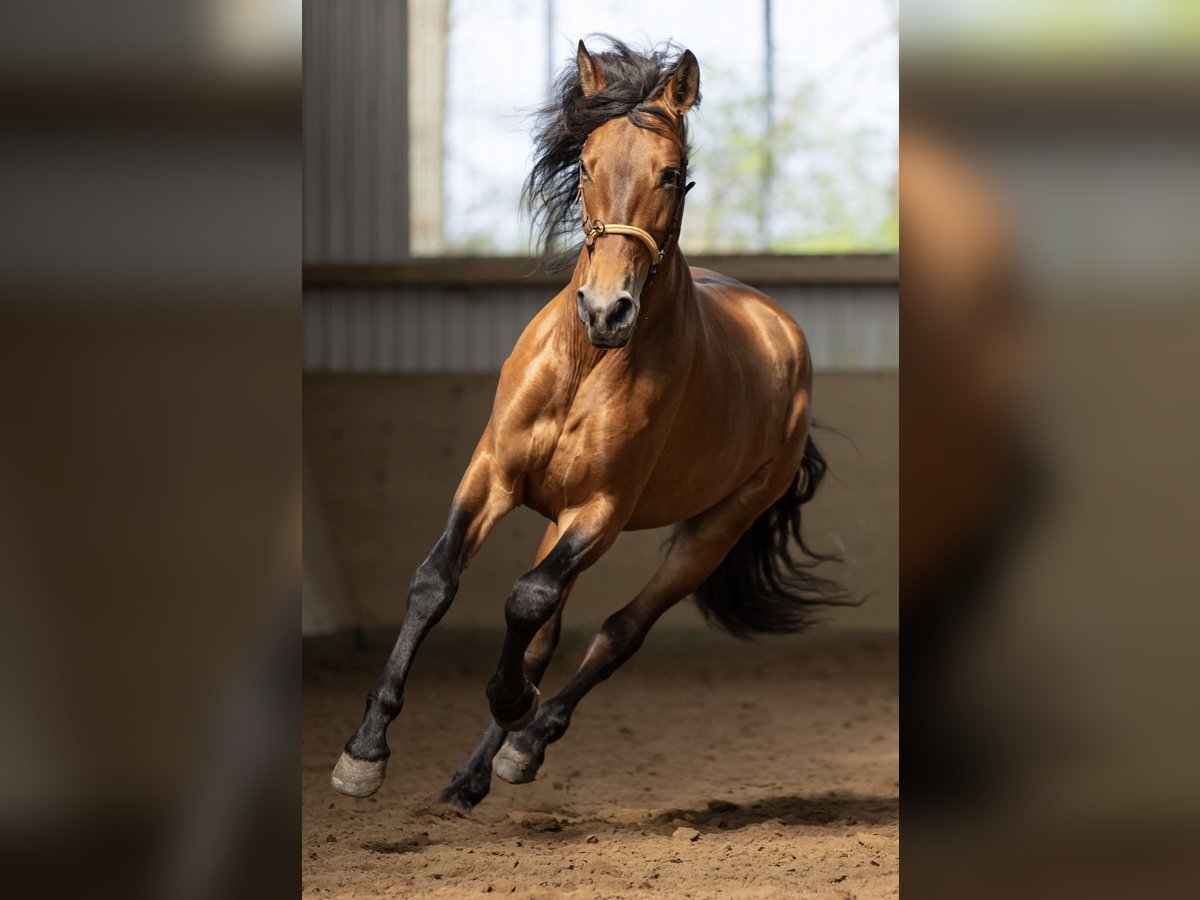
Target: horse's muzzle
{"x":609,"y":323}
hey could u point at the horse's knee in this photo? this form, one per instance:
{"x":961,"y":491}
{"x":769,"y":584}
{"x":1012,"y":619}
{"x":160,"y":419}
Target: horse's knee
{"x":533,"y":600}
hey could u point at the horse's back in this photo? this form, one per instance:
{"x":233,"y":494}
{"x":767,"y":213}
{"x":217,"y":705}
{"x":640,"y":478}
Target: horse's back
{"x":710,"y":276}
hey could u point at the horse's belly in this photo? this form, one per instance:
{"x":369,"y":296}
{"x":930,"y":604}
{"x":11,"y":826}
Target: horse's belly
{"x":703,"y":463}
{"x":657,"y":508}
{"x":680,"y":490}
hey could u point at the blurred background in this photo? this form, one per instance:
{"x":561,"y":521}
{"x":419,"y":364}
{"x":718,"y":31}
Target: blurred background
{"x":418,"y":279}
{"x":149,"y":474}
{"x":1049,"y":173}
{"x":149,"y":453}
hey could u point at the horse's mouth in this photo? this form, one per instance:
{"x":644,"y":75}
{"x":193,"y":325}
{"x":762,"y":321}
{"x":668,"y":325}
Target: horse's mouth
{"x":610,"y":343}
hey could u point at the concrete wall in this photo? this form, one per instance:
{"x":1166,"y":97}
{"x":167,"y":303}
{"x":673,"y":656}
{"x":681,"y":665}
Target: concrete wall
{"x":386,"y":453}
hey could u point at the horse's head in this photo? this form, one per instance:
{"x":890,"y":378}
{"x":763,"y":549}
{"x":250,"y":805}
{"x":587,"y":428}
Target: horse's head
{"x":632,"y":180}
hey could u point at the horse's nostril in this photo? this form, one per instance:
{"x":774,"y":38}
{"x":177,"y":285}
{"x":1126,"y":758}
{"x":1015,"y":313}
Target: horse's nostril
{"x":621,"y":313}
{"x":579,"y":296}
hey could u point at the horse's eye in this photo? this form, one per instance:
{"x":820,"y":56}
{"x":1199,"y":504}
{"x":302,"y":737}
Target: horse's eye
{"x":583,"y":172}
{"x":670,"y":177}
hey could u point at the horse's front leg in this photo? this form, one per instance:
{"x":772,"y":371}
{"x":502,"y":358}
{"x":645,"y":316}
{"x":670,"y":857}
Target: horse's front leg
{"x":472,"y":780}
{"x":481,"y":501}
{"x":584,"y":537}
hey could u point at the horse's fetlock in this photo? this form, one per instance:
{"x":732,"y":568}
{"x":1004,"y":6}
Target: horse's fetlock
{"x":386,"y":701}
{"x":555,"y":721}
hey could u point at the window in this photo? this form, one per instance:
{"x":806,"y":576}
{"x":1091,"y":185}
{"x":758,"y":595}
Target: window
{"x":795,"y":141}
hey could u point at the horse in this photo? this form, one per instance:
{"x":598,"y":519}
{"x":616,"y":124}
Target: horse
{"x":645,"y":394}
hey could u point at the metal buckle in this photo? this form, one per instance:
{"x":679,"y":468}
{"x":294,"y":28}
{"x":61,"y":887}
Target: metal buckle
{"x":594,"y":232}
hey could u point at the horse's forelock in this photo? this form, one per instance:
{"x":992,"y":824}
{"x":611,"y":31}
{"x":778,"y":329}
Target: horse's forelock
{"x":632,"y":79}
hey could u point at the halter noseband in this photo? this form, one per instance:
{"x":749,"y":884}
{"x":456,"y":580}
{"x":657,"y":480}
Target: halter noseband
{"x":599,"y":228}
{"x":594,"y":228}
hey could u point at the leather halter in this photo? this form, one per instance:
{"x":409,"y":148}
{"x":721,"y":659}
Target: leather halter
{"x":594,"y":228}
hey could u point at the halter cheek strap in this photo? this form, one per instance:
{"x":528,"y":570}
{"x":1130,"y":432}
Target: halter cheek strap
{"x":594,"y":228}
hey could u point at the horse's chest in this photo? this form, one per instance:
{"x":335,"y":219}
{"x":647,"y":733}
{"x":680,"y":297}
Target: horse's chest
{"x":596,"y":447}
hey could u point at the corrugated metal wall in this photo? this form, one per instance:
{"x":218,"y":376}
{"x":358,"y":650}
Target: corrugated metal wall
{"x":355,"y":132}
{"x":474,"y":329}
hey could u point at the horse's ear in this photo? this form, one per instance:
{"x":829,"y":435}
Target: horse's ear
{"x":590,"y":76}
{"x":683,"y":90}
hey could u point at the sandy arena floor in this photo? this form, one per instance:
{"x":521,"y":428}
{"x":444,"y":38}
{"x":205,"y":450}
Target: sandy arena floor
{"x":779,"y":759}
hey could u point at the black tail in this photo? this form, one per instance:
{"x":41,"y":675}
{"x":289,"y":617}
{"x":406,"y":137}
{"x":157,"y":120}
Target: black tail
{"x":760,"y":587}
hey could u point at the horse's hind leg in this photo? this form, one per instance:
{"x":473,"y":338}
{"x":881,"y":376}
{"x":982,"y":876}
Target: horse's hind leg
{"x":698,"y":549}
{"x":473,"y":779}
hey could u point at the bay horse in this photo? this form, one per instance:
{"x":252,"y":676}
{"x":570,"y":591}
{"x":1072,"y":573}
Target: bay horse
{"x":645,"y":394}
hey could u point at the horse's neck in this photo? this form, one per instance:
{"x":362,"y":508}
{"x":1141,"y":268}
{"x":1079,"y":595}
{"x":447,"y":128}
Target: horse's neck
{"x":671,"y":295}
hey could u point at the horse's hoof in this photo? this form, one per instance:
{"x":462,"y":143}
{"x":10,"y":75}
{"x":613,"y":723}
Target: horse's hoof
{"x":513,"y":766}
{"x":518,"y":724}
{"x":467,"y":793}
{"x":358,"y":777}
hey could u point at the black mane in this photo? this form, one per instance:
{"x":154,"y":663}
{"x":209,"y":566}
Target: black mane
{"x":632,"y":78}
